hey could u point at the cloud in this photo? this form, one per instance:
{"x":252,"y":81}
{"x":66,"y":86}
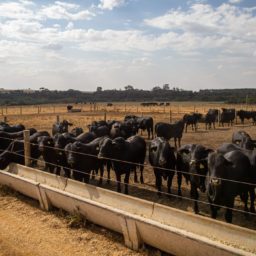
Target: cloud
{"x":110,"y":4}
{"x":235,"y":1}
{"x":65,"y":11}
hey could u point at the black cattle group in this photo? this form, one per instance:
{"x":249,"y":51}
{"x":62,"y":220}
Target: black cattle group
{"x":223,"y":174}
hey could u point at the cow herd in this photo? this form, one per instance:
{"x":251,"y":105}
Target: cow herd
{"x":222,"y":174}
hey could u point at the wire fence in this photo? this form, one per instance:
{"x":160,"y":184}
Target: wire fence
{"x":19,"y":153}
{"x":146,"y":189}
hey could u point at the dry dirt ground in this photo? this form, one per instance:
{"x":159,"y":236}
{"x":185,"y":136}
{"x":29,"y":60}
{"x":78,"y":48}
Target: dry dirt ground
{"x":26,"y":230}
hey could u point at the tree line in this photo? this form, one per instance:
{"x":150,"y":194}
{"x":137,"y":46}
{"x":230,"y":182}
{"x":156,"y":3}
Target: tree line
{"x":45,"y":96}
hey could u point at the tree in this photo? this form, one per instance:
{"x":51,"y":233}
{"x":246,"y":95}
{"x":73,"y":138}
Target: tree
{"x":99,"y":89}
{"x":166,"y":87}
{"x":128,"y":88}
{"x":156,"y":88}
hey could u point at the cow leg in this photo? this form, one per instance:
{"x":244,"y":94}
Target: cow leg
{"x":175,"y":142}
{"x":66,"y":172}
{"x":158,"y":183}
{"x":169,"y":181}
{"x":179,"y":180}
{"x":214,"y":211}
{"x":108,"y":170}
{"x":194,"y":195}
{"x":135,"y":175}
{"x":57,"y":170}
{"x":179,"y":139}
{"x":118,"y":179}
{"x":141,"y":173}
{"x":228,"y":214}
{"x":101,"y":173}
{"x":126,"y":182}
{"x":148,"y":130}
{"x":86,"y":177}
{"x":252,"y":198}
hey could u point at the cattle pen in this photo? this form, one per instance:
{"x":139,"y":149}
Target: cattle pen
{"x":199,"y":234}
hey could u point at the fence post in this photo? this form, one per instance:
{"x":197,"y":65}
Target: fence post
{"x":5,"y":119}
{"x":6,"y":109}
{"x":170,"y":116}
{"x":105,"y":115}
{"x":218,"y":117}
{"x":27,"y":150}
{"x":58,"y":118}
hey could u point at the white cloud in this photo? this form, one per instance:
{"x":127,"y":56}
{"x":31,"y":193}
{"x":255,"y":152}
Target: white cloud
{"x":110,"y":4}
{"x":61,"y":10}
{"x":235,"y":1}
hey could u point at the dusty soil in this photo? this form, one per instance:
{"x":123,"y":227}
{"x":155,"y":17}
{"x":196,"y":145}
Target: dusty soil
{"x":25,"y":230}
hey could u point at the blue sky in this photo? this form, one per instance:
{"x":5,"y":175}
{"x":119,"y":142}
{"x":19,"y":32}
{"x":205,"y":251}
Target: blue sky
{"x":112,"y":43}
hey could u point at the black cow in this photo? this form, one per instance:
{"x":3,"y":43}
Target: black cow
{"x":6,"y":138}
{"x":15,"y":151}
{"x":11,"y":129}
{"x":163,"y":160}
{"x":169,"y":131}
{"x":234,"y":166}
{"x":83,"y":158}
{"x":60,"y":127}
{"x":227,"y":116}
{"x":46,"y":147}
{"x":131,"y":150}
{"x":146,"y":123}
{"x":192,"y":162}
{"x":77,"y":131}
{"x":211,"y":118}
{"x":243,"y":139}
{"x":251,"y":155}
{"x":243,"y":114}
{"x":124,"y":130}
{"x":100,"y":128}
{"x":192,"y":120}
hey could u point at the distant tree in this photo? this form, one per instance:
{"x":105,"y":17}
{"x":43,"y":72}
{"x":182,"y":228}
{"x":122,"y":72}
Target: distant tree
{"x":99,"y":89}
{"x":128,"y":88}
{"x":156,"y":88}
{"x":166,"y":87}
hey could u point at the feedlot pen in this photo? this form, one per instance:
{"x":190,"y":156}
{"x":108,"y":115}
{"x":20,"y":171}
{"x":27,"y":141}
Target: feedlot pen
{"x":42,"y":118}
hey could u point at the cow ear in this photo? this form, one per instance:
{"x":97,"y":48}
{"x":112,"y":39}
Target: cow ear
{"x":184,"y":151}
{"x":208,"y":151}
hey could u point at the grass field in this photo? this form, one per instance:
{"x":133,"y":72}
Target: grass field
{"x":43,"y":120}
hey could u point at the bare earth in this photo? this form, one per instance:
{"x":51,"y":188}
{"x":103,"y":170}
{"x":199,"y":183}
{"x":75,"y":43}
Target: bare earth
{"x":26,"y":230}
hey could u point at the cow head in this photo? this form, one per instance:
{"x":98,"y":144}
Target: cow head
{"x":217,"y":169}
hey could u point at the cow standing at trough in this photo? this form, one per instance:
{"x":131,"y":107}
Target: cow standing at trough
{"x":83,"y":159}
{"x":15,"y":151}
{"x":46,"y":147}
{"x":243,"y":140}
{"x":169,"y":131}
{"x":6,"y":138}
{"x":227,"y":178}
{"x":129,"y":154}
{"x":163,"y":160}
{"x":4,"y":127}
{"x":192,"y":162}
{"x":251,"y":155}
{"x":60,"y":142}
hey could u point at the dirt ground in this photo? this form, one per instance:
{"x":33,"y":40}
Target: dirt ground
{"x":26,"y":230}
